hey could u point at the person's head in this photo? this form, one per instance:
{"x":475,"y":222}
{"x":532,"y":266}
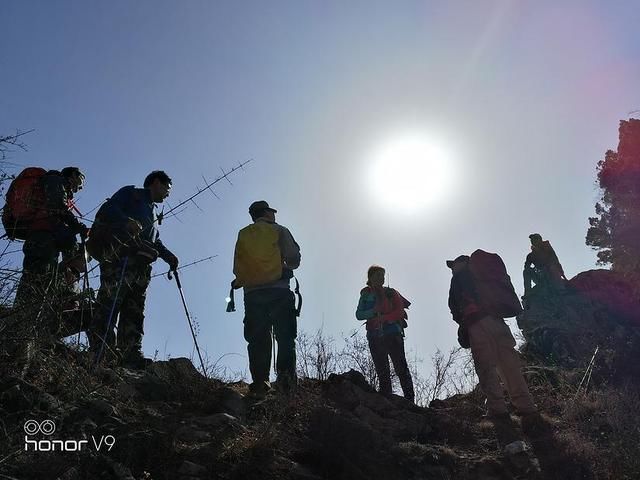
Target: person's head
{"x":261,"y":209}
{"x":74,"y":178}
{"x":159,"y":184}
{"x":536,"y":239}
{"x":375,"y":276}
{"x":458,"y":264}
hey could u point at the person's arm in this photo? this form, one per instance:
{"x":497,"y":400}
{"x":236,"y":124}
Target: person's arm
{"x":453,"y":302}
{"x":165,"y":254}
{"x":528,"y":261}
{"x":56,"y":201}
{"x":366,"y":306}
{"x":289,"y":249}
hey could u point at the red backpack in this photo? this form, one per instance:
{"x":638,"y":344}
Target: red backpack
{"x":25,"y":199}
{"x":493,"y":284}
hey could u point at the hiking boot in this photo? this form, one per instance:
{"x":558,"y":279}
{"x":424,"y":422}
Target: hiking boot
{"x":287,"y":383}
{"x":111,"y":356}
{"x":497,"y":417}
{"x":135,"y":360}
{"x":534,"y":425}
{"x":259,"y":390}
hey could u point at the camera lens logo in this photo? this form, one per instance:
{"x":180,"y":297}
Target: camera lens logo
{"x":46,"y":427}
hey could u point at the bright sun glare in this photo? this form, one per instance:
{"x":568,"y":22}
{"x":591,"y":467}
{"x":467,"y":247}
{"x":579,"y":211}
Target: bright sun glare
{"x":411,"y":172}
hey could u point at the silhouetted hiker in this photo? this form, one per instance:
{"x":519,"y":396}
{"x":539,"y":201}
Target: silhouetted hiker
{"x":265,"y":256}
{"x":39,"y":210}
{"x":542,"y":266}
{"x":480,"y":296}
{"x":125,"y":241}
{"x":384,"y":310}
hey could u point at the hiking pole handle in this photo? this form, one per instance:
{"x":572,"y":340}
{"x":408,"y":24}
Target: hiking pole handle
{"x":175,"y":274}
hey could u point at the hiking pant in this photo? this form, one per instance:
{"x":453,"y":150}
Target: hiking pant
{"x":492,"y":348}
{"x":127,"y":304}
{"x":41,"y":251}
{"x":267,"y":310}
{"x":391,"y":345}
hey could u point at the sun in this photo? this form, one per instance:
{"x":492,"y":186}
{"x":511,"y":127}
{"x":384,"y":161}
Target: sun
{"x":411,"y":172}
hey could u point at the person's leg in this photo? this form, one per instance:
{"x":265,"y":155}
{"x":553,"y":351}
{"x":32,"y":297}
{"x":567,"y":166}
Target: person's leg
{"x":38,"y":271}
{"x":380,"y":358}
{"x":285,"y":328}
{"x":485,"y":359}
{"x":509,"y":365}
{"x":395,"y":346}
{"x":131,"y":323}
{"x":108,"y":303}
{"x":257,"y":333}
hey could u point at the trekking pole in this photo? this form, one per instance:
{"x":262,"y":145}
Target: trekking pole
{"x":113,"y":308}
{"x":355,"y":332}
{"x":587,"y":373}
{"x":186,"y":311}
{"x":275,"y":353}
{"x":85,"y":289}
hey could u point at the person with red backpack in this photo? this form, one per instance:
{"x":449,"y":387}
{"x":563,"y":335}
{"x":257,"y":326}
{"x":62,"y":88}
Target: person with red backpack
{"x":39,"y":210}
{"x":383,"y":308}
{"x":480,"y":297}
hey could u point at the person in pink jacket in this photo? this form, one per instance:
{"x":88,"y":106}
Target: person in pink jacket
{"x":383,"y":308}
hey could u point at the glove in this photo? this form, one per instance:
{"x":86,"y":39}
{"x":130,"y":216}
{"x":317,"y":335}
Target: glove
{"x":83,"y":230}
{"x":173,"y":261}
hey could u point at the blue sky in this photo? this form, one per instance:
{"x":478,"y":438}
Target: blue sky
{"x":525,"y":97}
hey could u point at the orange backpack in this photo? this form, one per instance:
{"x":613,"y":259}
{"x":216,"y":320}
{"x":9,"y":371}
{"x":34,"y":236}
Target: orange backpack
{"x":24,"y":202}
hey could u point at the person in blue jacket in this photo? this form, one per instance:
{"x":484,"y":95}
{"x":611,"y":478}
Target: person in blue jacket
{"x":125,"y":240}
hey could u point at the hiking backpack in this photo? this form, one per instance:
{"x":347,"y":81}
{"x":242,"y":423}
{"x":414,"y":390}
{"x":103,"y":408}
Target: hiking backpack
{"x":257,"y":259}
{"x":24,"y":202}
{"x":100,"y":236}
{"x":493,"y":284}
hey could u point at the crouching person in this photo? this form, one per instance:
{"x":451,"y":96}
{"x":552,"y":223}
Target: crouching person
{"x":383,"y":310}
{"x":125,"y":241}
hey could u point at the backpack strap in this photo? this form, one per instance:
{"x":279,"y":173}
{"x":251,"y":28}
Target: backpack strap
{"x":299,"y":295}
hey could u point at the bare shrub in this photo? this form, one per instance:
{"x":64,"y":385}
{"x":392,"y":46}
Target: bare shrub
{"x":316,"y":355}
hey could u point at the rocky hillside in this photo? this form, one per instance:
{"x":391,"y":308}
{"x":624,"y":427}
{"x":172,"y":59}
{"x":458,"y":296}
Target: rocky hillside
{"x":169,"y":422}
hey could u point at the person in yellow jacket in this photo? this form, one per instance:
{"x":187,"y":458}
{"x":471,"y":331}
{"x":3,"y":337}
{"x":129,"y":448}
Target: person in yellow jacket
{"x":265,"y":256}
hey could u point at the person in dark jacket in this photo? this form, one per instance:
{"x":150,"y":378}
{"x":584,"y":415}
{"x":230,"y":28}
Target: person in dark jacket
{"x":52,"y":233}
{"x":383,"y":309}
{"x":126,"y":227}
{"x":542,"y":266}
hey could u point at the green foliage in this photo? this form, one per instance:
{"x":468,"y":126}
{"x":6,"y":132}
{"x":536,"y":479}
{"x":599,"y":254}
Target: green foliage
{"x":615,"y":230}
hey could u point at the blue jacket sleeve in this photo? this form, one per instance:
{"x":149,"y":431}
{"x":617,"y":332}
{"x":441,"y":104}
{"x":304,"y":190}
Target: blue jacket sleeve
{"x":365,"y":309}
{"x":163,"y":252}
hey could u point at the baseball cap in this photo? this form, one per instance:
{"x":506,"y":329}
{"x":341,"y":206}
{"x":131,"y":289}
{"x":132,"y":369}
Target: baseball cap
{"x":461,"y":258}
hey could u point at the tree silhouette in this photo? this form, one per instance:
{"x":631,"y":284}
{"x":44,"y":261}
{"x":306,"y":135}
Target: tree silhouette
{"x":615,"y":231}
